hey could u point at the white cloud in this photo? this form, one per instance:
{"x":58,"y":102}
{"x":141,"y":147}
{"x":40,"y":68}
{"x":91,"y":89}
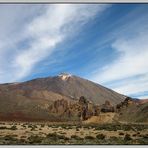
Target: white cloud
{"x":131,"y":61}
{"x":132,"y":87}
{"x":122,"y":74}
{"x":45,"y":31}
{"x":13,"y":19}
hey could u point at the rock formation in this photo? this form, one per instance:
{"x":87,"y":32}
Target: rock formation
{"x":107,"y":107}
{"x":128,"y":101}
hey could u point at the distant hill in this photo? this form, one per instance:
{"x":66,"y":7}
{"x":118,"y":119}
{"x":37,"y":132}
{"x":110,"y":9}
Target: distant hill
{"x":135,"y":113}
{"x":143,"y":101}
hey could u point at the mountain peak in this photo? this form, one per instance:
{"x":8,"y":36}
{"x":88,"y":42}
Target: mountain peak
{"x":64,"y":76}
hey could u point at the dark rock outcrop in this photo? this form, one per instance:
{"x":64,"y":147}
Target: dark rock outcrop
{"x":107,"y":107}
{"x":128,"y":101}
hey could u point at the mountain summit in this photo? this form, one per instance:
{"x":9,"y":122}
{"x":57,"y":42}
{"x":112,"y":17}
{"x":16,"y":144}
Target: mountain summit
{"x":64,"y":76}
{"x":72,"y":87}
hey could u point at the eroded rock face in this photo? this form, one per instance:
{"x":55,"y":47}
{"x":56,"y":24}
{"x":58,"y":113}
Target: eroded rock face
{"x":96,"y":110}
{"x":107,"y":107}
{"x":59,"y":106}
{"x":81,"y":109}
{"x":87,"y":109}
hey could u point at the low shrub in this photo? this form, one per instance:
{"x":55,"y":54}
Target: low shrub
{"x":29,"y":126}
{"x":89,"y":137}
{"x":145,"y":136}
{"x":54,"y":136}
{"x":79,"y":126}
{"x":76,"y":137}
{"x":42,"y":125}
{"x":35,"y":139}
{"x":3,"y":127}
{"x":138,"y":133}
{"x":100,"y":136}
{"x":121,"y":133}
{"x":13,"y":127}
{"x":127,"y":137}
{"x":115,"y":140}
{"x":134,"y":135}
{"x":9,"y":138}
{"x":32,"y":129}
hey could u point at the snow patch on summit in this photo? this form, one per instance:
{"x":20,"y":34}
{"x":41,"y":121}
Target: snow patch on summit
{"x":65,"y":76}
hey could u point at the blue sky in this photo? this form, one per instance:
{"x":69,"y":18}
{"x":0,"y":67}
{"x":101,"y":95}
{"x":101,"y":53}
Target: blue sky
{"x":105,"y":43}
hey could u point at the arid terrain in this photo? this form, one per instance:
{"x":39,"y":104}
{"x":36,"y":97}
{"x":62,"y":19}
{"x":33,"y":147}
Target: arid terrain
{"x":66,"y":109}
{"x":61,"y":133}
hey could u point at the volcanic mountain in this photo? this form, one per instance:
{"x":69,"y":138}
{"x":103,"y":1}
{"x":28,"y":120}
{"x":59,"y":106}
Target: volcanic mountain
{"x":46,"y":98}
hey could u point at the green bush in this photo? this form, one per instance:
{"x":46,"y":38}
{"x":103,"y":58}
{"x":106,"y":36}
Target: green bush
{"x":115,"y":140}
{"x":134,"y":135}
{"x":121,"y":133}
{"x":23,"y":125}
{"x":35,"y":139}
{"x":13,"y":127}
{"x":29,"y":126}
{"x":3,"y":127}
{"x":55,"y":137}
{"x":32,"y":129}
{"x":76,"y":137}
{"x":63,"y":137}
{"x":100,"y":136}
{"x":145,"y":136}
{"x":51,"y":135}
{"x":89,"y":137}
{"x":9,"y":138}
{"x":22,"y":141}
{"x":79,"y":126}
{"x":127,"y":137}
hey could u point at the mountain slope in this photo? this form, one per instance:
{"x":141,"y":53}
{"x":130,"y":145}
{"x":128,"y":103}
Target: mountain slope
{"x":51,"y":98}
{"x":72,"y":87}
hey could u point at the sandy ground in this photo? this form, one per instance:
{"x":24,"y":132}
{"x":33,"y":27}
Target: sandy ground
{"x":23,"y":131}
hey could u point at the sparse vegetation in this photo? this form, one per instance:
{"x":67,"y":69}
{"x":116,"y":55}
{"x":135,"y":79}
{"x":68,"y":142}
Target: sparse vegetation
{"x":82,"y":134}
{"x":42,"y":125}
